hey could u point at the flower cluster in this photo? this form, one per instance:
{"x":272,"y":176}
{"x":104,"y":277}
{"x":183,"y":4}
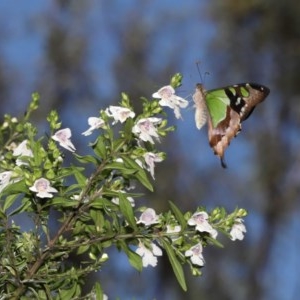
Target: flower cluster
{"x":145,"y":129}
{"x":199,"y":220}
{"x":103,"y":206}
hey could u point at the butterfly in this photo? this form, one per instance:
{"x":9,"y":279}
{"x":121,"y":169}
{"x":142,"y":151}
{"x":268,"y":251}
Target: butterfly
{"x":224,"y":110}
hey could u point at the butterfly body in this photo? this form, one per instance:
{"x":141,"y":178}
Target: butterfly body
{"x":224,"y":110}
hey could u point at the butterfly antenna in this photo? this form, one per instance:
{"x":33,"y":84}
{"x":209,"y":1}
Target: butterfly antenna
{"x":223,"y":164}
{"x":202,"y":78}
{"x":199,"y":71}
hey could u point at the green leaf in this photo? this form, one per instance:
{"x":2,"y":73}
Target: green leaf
{"x":126,"y":209}
{"x":81,"y":179}
{"x":140,"y":175}
{"x":176,"y":265}
{"x":9,"y":200}
{"x":217,"y":102}
{"x":15,"y":188}
{"x":128,"y":129}
{"x":87,"y":159}
{"x":82,"y":249}
{"x":26,"y":204}
{"x":134,"y":259}
{"x":68,"y":293}
{"x":100,"y":147}
{"x":100,"y":203}
{"x":98,"y":219}
{"x":121,"y":167}
{"x":62,"y":202}
{"x":65,"y":172}
{"x":98,"y":291}
{"x":2,"y":214}
{"x":178,"y":215}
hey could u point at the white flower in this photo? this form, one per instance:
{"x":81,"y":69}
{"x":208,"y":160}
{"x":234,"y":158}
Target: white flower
{"x":195,"y":253}
{"x":22,"y":150}
{"x":150,"y":159}
{"x":148,"y":217}
{"x":119,"y":113}
{"x":168,"y":98}
{"x":42,"y":188}
{"x":238,"y":229}
{"x":94,"y":123}
{"x":199,"y":219}
{"x":145,"y":129}
{"x":4,"y":179}
{"x":116,"y":200}
{"x":63,"y":138}
{"x":149,"y":257}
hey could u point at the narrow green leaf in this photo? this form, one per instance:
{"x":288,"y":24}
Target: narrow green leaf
{"x":98,"y":291}
{"x":126,"y":209}
{"x":26,"y":204}
{"x":2,"y":214}
{"x":68,"y":293}
{"x":128,"y":129}
{"x":87,"y":159}
{"x":100,"y":203}
{"x":121,"y":167}
{"x":98,"y":219}
{"x":15,"y":188}
{"x":178,"y":215}
{"x":83,"y":249}
{"x":134,"y":259}
{"x":62,"y":202}
{"x":65,"y":172}
{"x":100,"y":147}
{"x":9,"y":200}
{"x":140,"y":175}
{"x":176,"y":265}
{"x":81,"y":179}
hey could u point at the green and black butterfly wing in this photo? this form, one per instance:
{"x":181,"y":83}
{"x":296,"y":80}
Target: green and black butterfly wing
{"x":225,"y":109}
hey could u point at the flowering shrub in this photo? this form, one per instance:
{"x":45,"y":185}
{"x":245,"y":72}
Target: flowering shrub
{"x":98,"y":210}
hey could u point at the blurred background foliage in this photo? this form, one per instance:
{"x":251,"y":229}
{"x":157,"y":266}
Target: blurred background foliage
{"x":80,"y":55}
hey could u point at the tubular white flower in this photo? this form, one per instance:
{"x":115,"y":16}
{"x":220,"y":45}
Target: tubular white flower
{"x":238,"y":229}
{"x":150,"y":159}
{"x":169,"y":99}
{"x":149,"y":257}
{"x":145,"y":129}
{"x":63,"y":138}
{"x":94,"y":123}
{"x":195,"y":254}
{"x":119,"y":113}
{"x":148,"y":217}
{"x":22,"y":150}
{"x":199,"y":219}
{"x":43,"y":188}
